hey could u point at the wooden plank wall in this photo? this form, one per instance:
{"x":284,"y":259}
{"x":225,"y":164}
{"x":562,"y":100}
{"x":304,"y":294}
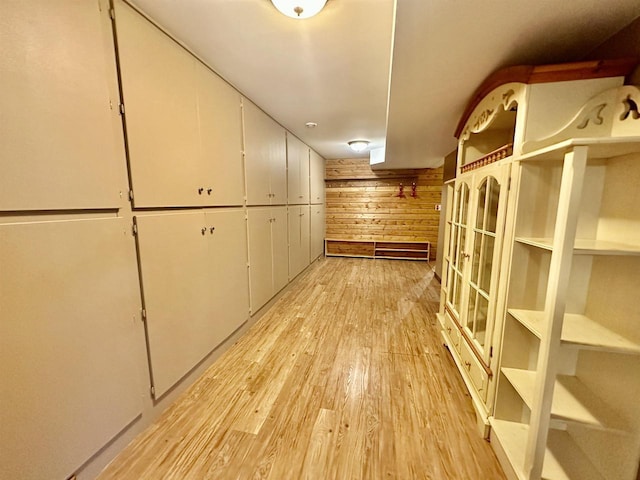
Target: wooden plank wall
{"x":362,"y":204}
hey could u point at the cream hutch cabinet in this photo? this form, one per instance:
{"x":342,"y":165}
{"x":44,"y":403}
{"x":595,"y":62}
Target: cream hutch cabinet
{"x":518,"y":279}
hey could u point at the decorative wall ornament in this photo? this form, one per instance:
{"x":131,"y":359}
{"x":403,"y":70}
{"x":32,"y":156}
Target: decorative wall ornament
{"x":630,"y":109}
{"x":593,"y":116}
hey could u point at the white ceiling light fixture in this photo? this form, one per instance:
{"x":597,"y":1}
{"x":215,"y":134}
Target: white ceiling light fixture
{"x":358,"y":145}
{"x":299,"y":9}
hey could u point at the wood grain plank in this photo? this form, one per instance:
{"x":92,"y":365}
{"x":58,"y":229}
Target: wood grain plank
{"x":350,"y":378}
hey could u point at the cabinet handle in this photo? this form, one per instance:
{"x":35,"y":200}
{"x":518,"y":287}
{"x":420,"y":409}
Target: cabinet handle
{"x":468,"y":365}
{"x":200,"y":190}
{"x":449,"y":329}
{"x":300,"y":196}
{"x":209,"y":190}
{"x":211,"y":229}
{"x":203,"y":230}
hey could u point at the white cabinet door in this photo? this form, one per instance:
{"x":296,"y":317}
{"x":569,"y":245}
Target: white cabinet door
{"x":280,"y":253}
{"x":70,"y":340}
{"x":297,"y":171}
{"x":299,"y":226}
{"x":228,"y":287}
{"x":316,"y":177}
{"x":62,"y":144}
{"x":317,"y":231}
{"x":260,"y":257}
{"x":220,"y":121}
{"x":159,"y":90}
{"x":265,"y":158}
{"x":173,"y":251}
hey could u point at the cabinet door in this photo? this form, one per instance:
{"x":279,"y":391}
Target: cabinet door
{"x":260,"y":256}
{"x":278,"y":163}
{"x":457,"y":246}
{"x":294,"y":218}
{"x":317,"y":231}
{"x":279,"y":248}
{"x":486,"y":225}
{"x":316,"y":177}
{"x":70,"y":341}
{"x":62,"y":145}
{"x":173,"y":264}
{"x":260,"y":147}
{"x":158,"y":86}
{"x":228,"y":287}
{"x":305,"y":235}
{"x":297,"y":171}
{"x":221,"y":139}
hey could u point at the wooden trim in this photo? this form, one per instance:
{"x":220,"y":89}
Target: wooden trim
{"x":491,"y":157}
{"x":531,"y":74}
{"x":469,"y":341}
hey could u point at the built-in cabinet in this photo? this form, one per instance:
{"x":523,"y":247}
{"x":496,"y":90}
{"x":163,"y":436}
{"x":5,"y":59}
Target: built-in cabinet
{"x":297,"y":171}
{"x":49,"y":159}
{"x":268,"y":253}
{"x":195,"y":288}
{"x":126,"y":258}
{"x":316,"y":178}
{"x":70,"y":342}
{"x":316,"y":247}
{"x":183,"y":122}
{"x":265,"y":156}
{"x":299,"y":224}
{"x":564,"y":348}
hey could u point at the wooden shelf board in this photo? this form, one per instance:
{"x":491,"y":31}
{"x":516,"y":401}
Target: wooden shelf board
{"x":586,"y":246}
{"x":523,"y":381}
{"x":599,"y":147}
{"x":400,"y":250}
{"x":512,"y":437}
{"x":572,"y":401}
{"x":578,"y":331}
{"x":565,"y":461}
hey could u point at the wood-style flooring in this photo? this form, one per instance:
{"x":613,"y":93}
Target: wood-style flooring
{"x":345,"y":377}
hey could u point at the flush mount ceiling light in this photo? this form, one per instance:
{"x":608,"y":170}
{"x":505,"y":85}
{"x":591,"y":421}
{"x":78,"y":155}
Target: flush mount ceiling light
{"x":358,"y":145}
{"x":299,"y":8}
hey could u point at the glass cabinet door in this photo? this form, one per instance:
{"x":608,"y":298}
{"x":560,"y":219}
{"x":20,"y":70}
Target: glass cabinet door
{"x":486,"y":228}
{"x":457,"y":241}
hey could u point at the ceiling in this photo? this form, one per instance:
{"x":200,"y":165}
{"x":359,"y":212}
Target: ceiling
{"x":399,"y":72}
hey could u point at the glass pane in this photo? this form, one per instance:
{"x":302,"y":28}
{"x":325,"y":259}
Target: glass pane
{"x":456,"y":293}
{"x":471,"y":308}
{"x":465,"y":203}
{"x":487,"y":262}
{"x":481,"y":320}
{"x":452,"y":283}
{"x":454,"y":245}
{"x":477,"y":243}
{"x":458,"y":204}
{"x":492,"y":205}
{"x":463,"y":237}
{"x":482,"y":196}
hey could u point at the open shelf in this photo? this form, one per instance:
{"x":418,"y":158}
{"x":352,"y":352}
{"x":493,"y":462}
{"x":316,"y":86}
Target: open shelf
{"x":579,"y":331}
{"x":599,"y":147}
{"x":563,"y":459}
{"x":586,"y":246}
{"x":572,"y":401}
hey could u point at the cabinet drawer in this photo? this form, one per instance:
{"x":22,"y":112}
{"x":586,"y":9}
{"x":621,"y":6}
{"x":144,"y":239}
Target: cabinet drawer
{"x":450,"y":328}
{"x":474,"y":369}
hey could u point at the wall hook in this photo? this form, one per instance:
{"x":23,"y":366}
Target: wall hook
{"x":414,"y":191}
{"x":401,"y":193}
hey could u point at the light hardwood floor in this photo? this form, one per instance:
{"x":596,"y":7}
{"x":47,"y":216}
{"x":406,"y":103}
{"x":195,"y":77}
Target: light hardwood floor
{"x":344,"y":378}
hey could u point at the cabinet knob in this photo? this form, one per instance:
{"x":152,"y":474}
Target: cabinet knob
{"x":211,"y":229}
{"x":468,"y":365}
{"x":209,"y":190}
{"x":203,"y":230}
{"x":200,"y":190}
